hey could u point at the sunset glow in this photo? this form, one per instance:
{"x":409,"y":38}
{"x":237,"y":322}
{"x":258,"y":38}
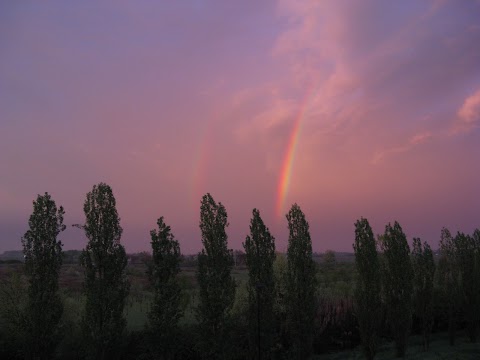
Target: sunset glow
{"x":347,"y":108}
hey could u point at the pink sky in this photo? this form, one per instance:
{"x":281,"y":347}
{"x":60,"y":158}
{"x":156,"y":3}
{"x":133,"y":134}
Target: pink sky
{"x":166,"y":101}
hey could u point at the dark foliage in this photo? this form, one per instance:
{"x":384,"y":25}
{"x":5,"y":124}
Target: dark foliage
{"x":397,"y":286}
{"x":260,"y":256}
{"x":367,"y":293}
{"x":106,"y":287}
{"x":449,"y":280}
{"x":467,"y":263}
{"x":216,"y":284}
{"x":43,"y":259}
{"x":166,"y":308}
{"x":424,"y":271}
{"x":300,"y":285}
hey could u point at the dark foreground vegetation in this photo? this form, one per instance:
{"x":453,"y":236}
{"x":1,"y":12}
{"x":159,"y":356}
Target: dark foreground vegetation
{"x":99,"y":303}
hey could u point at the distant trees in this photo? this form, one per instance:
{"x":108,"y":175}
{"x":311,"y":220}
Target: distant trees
{"x":106,"y":285}
{"x":43,"y":259}
{"x":368,"y":304}
{"x":301,"y":284}
{"x":166,"y":307}
{"x":260,"y":256}
{"x":424,"y":270}
{"x":329,"y":259}
{"x":398,"y":287}
{"x":216,"y":284}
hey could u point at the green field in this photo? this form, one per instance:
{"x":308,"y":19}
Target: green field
{"x":439,"y":350}
{"x":333,"y":340}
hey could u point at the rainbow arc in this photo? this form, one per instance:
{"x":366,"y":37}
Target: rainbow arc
{"x":289,"y":157}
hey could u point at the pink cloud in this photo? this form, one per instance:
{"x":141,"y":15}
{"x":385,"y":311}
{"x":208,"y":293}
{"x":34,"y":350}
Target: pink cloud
{"x":414,"y":141}
{"x":469,"y":112}
{"x":204,"y":100}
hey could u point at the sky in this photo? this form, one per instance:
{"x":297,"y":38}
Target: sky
{"x":349,"y":108}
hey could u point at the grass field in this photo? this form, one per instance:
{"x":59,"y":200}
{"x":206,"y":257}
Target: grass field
{"x":439,"y":350}
{"x":140,"y":298}
{"x":336,"y":284}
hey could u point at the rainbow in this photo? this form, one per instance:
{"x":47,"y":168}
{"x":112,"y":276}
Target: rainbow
{"x":288,"y":160}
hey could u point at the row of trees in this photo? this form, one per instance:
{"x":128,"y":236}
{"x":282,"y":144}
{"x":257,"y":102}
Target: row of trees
{"x":106,"y":286}
{"x":394,"y":284}
{"x":217,"y":286}
{"x":460,"y":275}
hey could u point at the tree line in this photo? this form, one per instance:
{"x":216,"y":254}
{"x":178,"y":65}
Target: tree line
{"x":393,"y":284}
{"x":396,"y":283}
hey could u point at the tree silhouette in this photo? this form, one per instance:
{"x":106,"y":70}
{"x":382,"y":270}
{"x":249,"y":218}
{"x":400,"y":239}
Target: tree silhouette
{"x":368,"y":303}
{"x":301,"y":284}
{"x":216,"y":284}
{"x":467,"y":262}
{"x":260,"y":252}
{"x":398,"y":288}
{"x":104,"y":261}
{"x":450,"y":280}
{"x":424,"y":271}
{"x":43,"y":260}
{"x":166,"y":308}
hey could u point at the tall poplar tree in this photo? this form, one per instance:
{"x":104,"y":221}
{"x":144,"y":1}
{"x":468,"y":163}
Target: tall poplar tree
{"x":449,"y":280}
{"x":368,"y":303}
{"x":476,"y":238}
{"x":301,"y":284}
{"x":106,"y":286}
{"x":216,"y":284}
{"x":424,"y":271}
{"x":166,"y":307}
{"x":466,"y":256}
{"x":398,"y":287}
{"x":260,"y":256}
{"x":43,"y":260}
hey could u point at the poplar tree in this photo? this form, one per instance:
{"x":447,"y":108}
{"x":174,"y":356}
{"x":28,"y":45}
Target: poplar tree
{"x":280,"y":304}
{"x":368,"y":303}
{"x":106,"y":286}
{"x":43,"y":260}
{"x":301,"y":284}
{"x":424,"y":271}
{"x":466,"y":256}
{"x":260,"y":256}
{"x":476,"y":240}
{"x":449,"y":280}
{"x":216,"y":284}
{"x":163,"y":271}
{"x":398,"y":287}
